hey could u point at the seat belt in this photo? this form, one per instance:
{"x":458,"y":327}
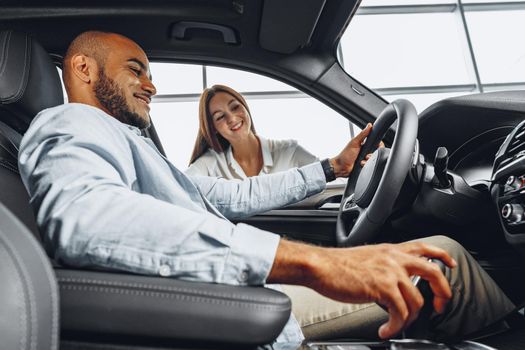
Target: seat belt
{"x":8,"y":154}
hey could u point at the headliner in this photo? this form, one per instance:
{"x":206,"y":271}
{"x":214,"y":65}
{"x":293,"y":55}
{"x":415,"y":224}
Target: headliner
{"x":150,"y":23}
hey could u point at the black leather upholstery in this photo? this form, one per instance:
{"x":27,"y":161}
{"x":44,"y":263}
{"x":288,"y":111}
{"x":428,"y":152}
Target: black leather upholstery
{"x":29,"y":82}
{"x":138,"y":306}
{"x":14,"y":196}
{"x":28,"y":290}
{"x":110,"y":304}
{"x":12,"y":192}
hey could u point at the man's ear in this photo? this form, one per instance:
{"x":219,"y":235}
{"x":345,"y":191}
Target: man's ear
{"x":84,"y":68}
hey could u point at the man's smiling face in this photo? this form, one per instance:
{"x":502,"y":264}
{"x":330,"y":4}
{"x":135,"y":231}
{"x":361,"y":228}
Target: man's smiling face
{"x":124,"y":88}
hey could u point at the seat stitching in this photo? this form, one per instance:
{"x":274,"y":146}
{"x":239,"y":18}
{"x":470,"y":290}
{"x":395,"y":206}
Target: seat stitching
{"x":3,"y":60}
{"x":9,"y":166}
{"x":22,"y":320}
{"x":34,"y":315}
{"x":15,"y":258}
{"x":23,"y":84}
{"x":7,"y":148}
{"x":157,"y":295}
{"x":32,"y":299}
{"x":160,"y":288}
{"x":53,"y":297}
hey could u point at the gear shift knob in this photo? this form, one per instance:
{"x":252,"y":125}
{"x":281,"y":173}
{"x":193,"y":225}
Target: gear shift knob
{"x":420,"y":327}
{"x":441,"y":167}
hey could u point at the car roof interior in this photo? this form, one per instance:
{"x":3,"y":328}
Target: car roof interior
{"x":258,"y":27}
{"x":271,"y":37}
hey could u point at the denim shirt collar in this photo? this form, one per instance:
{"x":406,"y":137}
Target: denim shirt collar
{"x":134,"y":129}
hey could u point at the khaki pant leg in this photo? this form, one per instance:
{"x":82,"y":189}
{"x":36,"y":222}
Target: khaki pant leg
{"x":322,"y":318}
{"x":477,"y":302}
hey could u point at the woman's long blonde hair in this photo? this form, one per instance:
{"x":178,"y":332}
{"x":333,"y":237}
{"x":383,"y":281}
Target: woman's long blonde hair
{"x":207,"y":136}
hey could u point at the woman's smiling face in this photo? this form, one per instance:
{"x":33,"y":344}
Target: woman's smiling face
{"x":230,"y":117}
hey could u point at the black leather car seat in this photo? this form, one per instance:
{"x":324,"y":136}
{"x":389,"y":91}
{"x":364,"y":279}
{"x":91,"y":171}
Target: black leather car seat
{"x":108,"y":307}
{"x":29,"y":83}
{"x":28,"y":290}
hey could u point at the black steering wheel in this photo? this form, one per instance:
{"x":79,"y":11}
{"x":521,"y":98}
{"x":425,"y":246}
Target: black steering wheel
{"x":372,"y":190}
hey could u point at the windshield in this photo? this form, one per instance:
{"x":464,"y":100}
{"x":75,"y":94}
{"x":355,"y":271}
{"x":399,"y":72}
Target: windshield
{"x":427,"y":50}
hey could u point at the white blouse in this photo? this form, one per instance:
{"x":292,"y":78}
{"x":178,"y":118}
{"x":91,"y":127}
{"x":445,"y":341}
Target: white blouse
{"x":278,"y":155}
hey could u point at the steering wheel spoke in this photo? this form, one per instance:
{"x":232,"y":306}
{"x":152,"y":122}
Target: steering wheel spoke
{"x":352,"y":214}
{"x":349,"y":204}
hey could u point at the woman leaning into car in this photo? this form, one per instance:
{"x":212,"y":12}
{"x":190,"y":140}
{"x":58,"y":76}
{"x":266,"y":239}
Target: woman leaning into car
{"x":227,"y":145}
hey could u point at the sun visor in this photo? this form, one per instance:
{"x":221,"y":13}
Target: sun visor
{"x":288,"y":25}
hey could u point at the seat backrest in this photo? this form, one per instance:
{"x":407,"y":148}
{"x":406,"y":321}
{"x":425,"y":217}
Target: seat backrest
{"x":28,"y":287}
{"x":29,"y":83}
{"x":28,"y":290}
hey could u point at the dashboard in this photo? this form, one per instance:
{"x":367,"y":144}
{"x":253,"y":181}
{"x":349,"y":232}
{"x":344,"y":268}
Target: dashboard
{"x":485,"y":138}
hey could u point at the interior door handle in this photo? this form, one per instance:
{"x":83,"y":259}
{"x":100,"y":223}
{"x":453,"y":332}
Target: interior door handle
{"x":330,"y":206}
{"x":331,"y":203}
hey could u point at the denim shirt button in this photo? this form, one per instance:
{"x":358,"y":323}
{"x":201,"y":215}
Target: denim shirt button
{"x":164,"y":270}
{"x":244,"y":276}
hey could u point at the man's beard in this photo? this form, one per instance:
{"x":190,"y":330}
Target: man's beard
{"x":111,"y":97}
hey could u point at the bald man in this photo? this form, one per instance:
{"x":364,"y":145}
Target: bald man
{"x":105,"y":197}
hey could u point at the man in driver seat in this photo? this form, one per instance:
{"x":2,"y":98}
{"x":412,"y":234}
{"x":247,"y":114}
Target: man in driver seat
{"x":105,"y":197}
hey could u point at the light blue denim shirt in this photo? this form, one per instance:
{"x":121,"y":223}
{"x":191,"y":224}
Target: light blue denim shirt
{"x":105,"y":197}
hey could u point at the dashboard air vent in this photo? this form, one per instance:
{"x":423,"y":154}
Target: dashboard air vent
{"x":516,"y":145}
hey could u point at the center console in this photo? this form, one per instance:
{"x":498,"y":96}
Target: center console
{"x":401,"y":344}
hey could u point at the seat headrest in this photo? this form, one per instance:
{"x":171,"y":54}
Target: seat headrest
{"x":29,"y":81}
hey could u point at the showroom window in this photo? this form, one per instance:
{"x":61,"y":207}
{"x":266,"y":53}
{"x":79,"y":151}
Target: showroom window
{"x":427,"y":50}
{"x":278,"y":110}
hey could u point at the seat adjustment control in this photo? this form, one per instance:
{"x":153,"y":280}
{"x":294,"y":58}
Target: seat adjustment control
{"x":512,"y":212}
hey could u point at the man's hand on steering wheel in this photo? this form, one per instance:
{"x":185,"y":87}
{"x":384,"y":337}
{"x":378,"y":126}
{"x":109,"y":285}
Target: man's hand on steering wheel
{"x":344,"y":162}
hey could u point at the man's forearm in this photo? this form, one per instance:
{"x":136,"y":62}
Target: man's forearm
{"x":294,"y":263}
{"x":257,"y":194}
